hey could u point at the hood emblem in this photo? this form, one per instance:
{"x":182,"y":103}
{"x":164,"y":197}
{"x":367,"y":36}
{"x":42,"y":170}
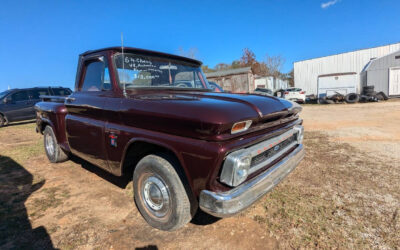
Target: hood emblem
{"x":276,"y":148}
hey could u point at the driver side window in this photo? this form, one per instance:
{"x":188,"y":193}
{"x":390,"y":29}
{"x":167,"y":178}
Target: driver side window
{"x":97,"y":76}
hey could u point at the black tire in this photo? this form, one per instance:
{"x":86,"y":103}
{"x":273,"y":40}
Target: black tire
{"x":369,"y":90}
{"x":2,"y":121}
{"x":53,"y":150}
{"x":329,"y":102}
{"x":373,"y":99}
{"x":384,"y":96}
{"x":363,"y":98}
{"x":379,"y":96}
{"x":351,"y":98}
{"x":370,"y":93}
{"x":155,"y":173}
{"x":326,"y":101}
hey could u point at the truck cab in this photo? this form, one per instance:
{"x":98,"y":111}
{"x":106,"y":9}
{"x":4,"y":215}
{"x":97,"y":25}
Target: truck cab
{"x":154,"y":117}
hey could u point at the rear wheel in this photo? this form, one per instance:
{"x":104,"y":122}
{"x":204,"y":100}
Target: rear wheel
{"x":53,"y":150}
{"x":2,"y":121}
{"x":352,"y":98}
{"x":160,"y":194}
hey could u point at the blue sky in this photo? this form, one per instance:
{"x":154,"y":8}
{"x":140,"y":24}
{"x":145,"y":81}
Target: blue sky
{"x":40,"y":40}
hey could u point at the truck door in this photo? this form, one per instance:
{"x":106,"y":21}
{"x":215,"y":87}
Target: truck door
{"x":85,"y":120}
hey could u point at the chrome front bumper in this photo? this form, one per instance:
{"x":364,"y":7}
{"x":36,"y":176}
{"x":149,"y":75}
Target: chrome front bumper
{"x":228,"y":203}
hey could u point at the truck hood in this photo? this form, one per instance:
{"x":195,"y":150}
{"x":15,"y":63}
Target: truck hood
{"x":205,"y":115}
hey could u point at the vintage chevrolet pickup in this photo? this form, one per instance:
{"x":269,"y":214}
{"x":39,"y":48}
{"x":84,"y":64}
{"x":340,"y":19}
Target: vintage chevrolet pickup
{"x":153,"y":116}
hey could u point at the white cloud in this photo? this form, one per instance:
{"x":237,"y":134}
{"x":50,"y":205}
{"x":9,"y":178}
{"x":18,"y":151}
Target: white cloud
{"x":328,"y":4}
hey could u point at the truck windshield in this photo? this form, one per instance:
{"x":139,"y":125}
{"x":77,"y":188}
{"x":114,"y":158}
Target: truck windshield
{"x":3,"y":94}
{"x":140,"y":71}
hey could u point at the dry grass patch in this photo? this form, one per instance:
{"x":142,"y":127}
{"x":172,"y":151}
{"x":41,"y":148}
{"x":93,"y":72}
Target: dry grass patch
{"x":338,"y":197}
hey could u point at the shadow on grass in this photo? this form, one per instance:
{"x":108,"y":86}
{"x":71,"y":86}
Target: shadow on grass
{"x":119,"y":181}
{"x":16,"y":232}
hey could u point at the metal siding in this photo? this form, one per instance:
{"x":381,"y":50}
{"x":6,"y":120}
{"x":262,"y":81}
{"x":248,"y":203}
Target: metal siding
{"x":306,"y":72}
{"x":378,"y":71}
{"x":268,"y":82}
{"x":343,"y":84}
{"x":380,"y":79}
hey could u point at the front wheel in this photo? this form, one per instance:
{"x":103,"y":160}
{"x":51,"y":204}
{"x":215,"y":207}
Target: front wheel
{"x":53,"y":150}
{"x":160,"y":194}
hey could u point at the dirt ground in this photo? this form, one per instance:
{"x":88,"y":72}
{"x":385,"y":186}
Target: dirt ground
{"x":345,"y":194}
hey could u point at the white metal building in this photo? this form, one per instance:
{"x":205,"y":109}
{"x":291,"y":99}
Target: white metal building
{"x":270,"y":82}
{"x":309,"y":72}
{"x":384,"y":74}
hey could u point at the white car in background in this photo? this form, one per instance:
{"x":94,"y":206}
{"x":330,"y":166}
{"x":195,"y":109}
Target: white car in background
{"x":295,"y":94}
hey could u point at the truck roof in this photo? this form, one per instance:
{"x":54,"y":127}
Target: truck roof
{"x":143,"y":51}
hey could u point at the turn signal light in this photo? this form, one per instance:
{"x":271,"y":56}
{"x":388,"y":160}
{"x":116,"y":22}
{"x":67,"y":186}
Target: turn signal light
{"x":240,"y":127}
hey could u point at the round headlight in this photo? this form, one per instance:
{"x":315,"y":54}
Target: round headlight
{"x":236,"y":168}
{"x":241,"y":170}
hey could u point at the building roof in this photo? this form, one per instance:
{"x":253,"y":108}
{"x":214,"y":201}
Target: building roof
{"x":143,"y":51}
{"x":373,"y":64}
{"x":347,"y":52}
{"x":227,"y":72}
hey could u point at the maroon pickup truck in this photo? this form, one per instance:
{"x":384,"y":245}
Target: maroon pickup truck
{"x":153,"y":116}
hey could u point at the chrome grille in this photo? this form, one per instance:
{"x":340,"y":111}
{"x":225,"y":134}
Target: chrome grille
{"x":272,"y":151}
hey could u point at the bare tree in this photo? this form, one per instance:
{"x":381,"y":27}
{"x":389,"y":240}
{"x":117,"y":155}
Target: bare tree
{"x":290,"y":78}
{"x":274,"y":65}
{"x":190,"y":53}
{"x":235,"y":64}
{"x":222,"y":66}
{"x":207,"y":69}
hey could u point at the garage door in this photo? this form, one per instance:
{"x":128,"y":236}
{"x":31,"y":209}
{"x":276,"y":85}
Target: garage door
{"x":394,"y":81}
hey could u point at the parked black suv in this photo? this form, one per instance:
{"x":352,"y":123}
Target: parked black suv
{"x":18,"y":104}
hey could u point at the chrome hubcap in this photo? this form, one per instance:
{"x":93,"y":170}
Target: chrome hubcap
{"x":156,"y":196}
{"x":49,"y":145}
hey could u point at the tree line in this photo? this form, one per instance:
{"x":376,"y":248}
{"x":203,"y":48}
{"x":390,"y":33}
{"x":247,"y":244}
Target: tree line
{"x":270,"y":66}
